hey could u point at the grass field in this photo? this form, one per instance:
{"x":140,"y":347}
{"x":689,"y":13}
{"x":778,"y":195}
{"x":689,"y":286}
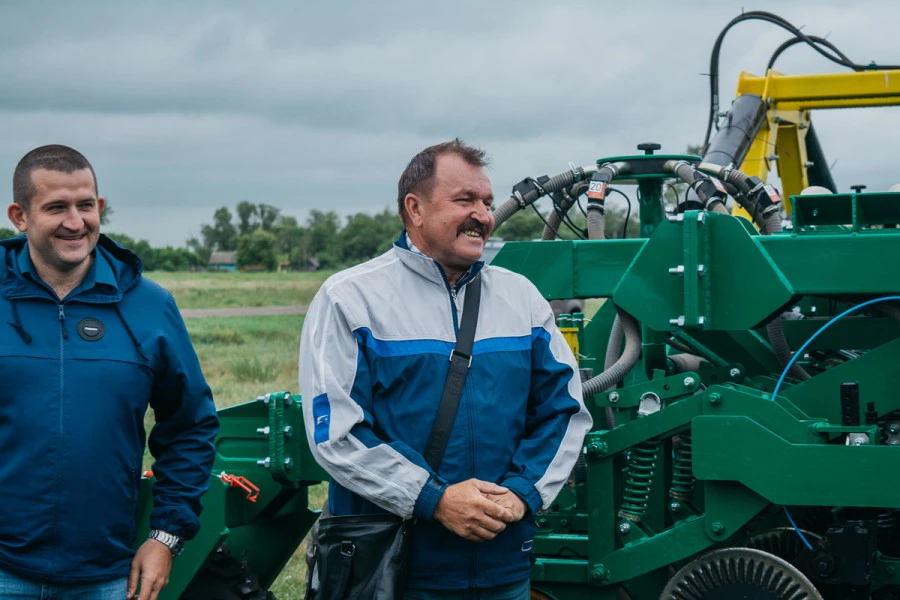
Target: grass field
{"x":244,"y":357}
{"x":232,"y":290}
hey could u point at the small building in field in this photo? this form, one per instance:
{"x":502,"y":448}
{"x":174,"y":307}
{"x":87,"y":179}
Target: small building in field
{"x":223,"y":261}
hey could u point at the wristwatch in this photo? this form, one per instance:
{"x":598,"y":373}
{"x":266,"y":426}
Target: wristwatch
{"x":174,"y":543}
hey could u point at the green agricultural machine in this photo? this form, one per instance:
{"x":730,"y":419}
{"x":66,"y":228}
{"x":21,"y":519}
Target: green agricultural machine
{"x":743,"y":372}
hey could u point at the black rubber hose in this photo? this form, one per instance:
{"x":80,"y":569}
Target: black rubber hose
{"x":783,"y":353}
{"x":554,"y":184}
{"x":612,"y":355}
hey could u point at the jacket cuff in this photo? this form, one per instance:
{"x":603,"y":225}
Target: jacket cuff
{"x":175,"y":521}
{"x":428,"y":498}
{"x":524,"y":489}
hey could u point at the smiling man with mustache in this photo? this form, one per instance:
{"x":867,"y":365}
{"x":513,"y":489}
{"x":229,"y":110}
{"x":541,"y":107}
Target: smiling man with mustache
{"x":86,"y":345}
{"x":373,"y":361}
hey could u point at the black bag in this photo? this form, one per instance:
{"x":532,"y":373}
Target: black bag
{"x":364,"y":557}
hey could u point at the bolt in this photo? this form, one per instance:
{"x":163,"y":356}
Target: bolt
{"x":597,"y":449}
{"x":701,"y":270}
{"x":773,"y":157}
{"x":689,"y":382}
{"x":263,"y":430}
{"x":264,"y":462}
{"x":679,"y":270}
{"x":714,"y":398}
{"x":613,"y":397}
{"x":263,"y":399}
{"x":288,"y":399}
{"x":288,"y":463}
{"x":675,"y":507}
{"x":734,"y":373}
{"x":599,"y":574}
{"x":542,"y":521}
{"x":288,"y":431}
{"x":718,"y":528}
{"x":700,"y":218}
{"x":894,"y":428}
{"x":679,"y":321}
{"x":563,"y":522}
{"x":624,"y":528}
{"x":701,"y":322}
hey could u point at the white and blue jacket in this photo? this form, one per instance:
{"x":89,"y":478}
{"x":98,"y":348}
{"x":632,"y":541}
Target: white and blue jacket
{"x":373,"y":363}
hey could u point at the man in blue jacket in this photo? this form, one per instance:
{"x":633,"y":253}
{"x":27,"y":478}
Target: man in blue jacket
{"x":86,"y":345}
{"x":373,"y":362}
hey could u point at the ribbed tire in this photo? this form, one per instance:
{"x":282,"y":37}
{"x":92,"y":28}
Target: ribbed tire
{"x":743,"y":573}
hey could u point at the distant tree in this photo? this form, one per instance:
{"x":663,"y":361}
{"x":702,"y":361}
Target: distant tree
{"x":7,"y":233}
{"x":247,"y":222}
{"x":288,"y":236}
{"x":321,"y":240}
{"x":202,"y":251}
{"x":105,"y":213}
{"x":267,"y":215}
{"x":257,"y":248}
{"x":365,"y":236}
{"x":523,"y":225}
{"x":221,"y":235}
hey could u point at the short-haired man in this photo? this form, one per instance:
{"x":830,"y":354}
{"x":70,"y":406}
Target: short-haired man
{"x":88,"y":345}
{"x":373,"y":361}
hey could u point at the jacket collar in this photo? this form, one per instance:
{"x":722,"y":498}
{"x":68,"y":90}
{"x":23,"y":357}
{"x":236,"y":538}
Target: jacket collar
{"x":426,"y":266}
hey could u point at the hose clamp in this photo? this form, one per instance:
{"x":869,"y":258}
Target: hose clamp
{"x":517,"y":195}
{"x":576,"y":174}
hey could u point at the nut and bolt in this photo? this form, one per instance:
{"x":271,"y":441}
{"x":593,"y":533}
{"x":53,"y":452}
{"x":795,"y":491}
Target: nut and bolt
{"x":715,"y":398}
{"x":263,"y":399}
{"x":263,"y":430}
{"x":894,"y":428}
{"x":675,"y":507}
{"x":599,"y":574}
{"x":718,"y":528}
{"x":689,"y":382}
{"x":288,"y":463}
{"x":734,"y":373}
{"x":624,"y":528}
{"x":613,"y":397}
{"x":597,"y":449}
{"x":288,"y":399}
{"x":288,"y":431}
{"x":266,"y":462}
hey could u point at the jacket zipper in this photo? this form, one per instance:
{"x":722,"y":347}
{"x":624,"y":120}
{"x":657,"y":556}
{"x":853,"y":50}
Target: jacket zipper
{"x":64,"y":335}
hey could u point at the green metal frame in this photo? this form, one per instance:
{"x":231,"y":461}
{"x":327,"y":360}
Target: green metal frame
{"x":710,"y":282}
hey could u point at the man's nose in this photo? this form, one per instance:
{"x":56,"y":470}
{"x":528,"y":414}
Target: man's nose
{"x":73,"y":221}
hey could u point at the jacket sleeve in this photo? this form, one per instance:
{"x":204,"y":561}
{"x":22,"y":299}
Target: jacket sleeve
{"x":181,"y":441}
{"x":556,"y":420}
{"x":337,"y":397}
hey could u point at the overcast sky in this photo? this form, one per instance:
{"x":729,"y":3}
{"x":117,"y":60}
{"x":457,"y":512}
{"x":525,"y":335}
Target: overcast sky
{"x":183,"y":107}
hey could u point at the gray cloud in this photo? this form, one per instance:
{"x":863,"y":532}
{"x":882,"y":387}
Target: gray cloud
{"x":185,"y":107}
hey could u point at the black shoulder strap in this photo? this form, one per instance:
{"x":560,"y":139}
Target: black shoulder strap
{"x":460,"y":360}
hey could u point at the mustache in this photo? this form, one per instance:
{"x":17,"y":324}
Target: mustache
{"x":473,"y":225}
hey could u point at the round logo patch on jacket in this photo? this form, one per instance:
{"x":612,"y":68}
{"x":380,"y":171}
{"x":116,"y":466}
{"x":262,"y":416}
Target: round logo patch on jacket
{"x":90,"y":329}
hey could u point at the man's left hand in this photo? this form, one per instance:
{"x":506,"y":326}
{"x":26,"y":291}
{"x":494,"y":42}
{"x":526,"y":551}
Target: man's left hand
{"x":151,"y":566}
{"x":512,"y":502}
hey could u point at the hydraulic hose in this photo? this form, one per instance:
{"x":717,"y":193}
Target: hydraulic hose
{"x":783,"y":353}
{"x":529,"y":190}
{"x":624,"y":364}
{"x":561,"y":208}
{"x":711,"y":192}
{"x":596,"y":209}
{"x":759,"y":199}
{"x":612,"y":355}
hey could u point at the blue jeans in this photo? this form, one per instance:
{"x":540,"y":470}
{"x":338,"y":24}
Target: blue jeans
{"x":513,"y":591}
{"x":13,"y":586}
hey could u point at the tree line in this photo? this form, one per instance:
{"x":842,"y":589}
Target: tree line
{"x":265,"y":239}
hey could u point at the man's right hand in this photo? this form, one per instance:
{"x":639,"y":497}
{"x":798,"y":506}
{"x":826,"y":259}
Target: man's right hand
{"x":465,"y":509}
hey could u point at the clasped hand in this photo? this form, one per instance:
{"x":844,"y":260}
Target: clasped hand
{"x":478,"y":510}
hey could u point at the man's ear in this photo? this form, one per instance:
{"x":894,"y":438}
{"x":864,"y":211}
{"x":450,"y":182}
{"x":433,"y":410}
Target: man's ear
{"x":414,"y":209}
{"x":101,"y":202}
{"x":16,"y":214}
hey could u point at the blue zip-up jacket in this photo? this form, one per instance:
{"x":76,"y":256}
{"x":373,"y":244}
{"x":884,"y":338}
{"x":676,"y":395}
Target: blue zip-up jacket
{"x":373,"y":362}
{"x":76,"y":378}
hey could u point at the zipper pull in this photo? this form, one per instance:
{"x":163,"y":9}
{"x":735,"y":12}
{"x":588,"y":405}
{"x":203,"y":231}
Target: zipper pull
{"x":62,"y":322}
{"x":455,"y":300}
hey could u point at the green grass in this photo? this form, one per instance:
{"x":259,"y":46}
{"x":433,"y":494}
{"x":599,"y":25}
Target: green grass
{"x":235,"y":290}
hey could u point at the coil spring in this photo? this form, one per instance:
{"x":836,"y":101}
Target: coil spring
{"x":682,"y":470}
{"x":638,"y":480}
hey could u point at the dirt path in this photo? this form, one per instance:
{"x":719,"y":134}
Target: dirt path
{"x":250,"y":311}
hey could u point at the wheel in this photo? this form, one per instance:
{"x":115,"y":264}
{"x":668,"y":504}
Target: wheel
{"x":744,"y":573}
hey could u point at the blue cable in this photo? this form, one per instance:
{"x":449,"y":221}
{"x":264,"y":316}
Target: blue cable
{"x":799,"y":353}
